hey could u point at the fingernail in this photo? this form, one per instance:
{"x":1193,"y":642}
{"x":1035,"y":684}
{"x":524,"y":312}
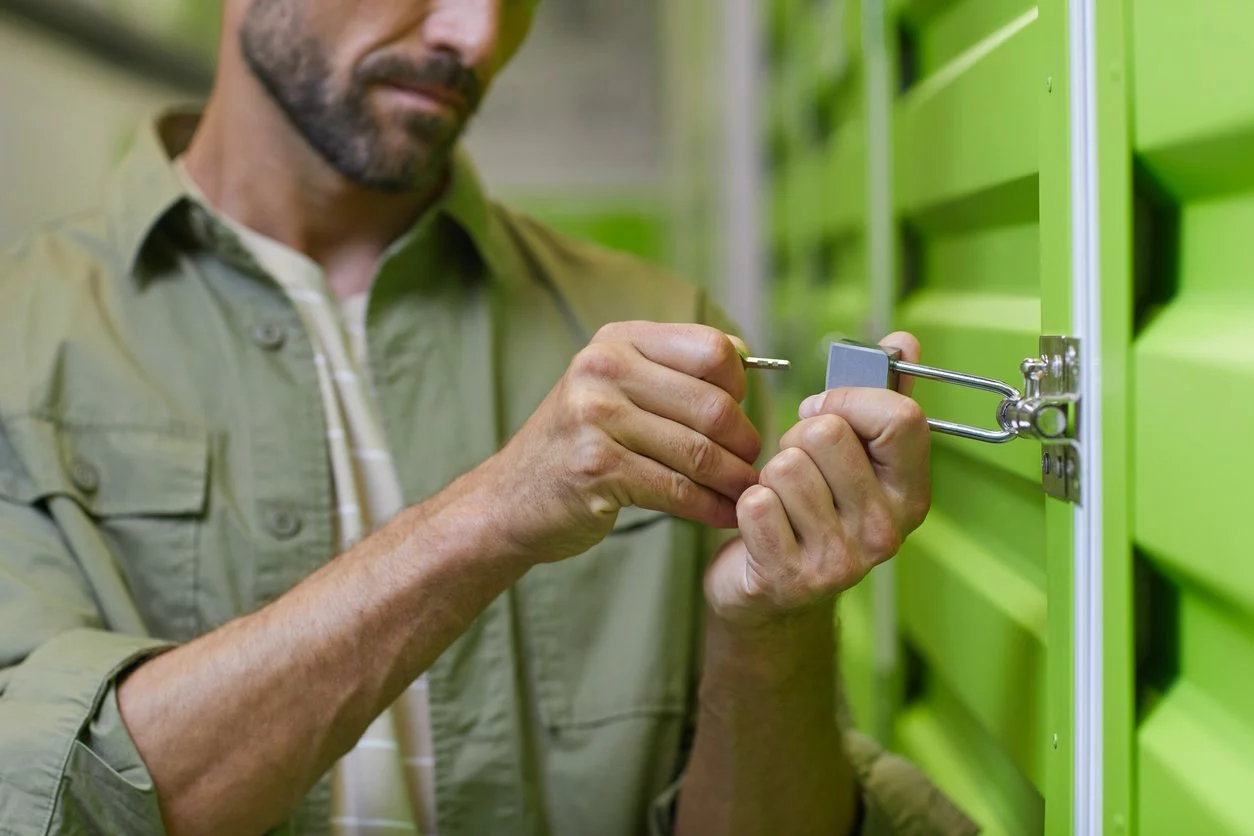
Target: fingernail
{"x":810,"y":406}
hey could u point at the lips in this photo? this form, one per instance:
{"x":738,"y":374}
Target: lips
{"x":443,"y":95}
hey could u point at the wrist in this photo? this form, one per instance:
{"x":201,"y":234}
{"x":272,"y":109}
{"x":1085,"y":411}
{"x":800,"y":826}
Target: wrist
{"x":469,"y":521}
{"x":775,"y":653}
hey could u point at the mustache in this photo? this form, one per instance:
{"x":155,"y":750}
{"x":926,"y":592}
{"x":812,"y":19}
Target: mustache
{"x":440,"y":70}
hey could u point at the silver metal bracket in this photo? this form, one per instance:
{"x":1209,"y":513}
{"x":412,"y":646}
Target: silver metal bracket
{"x":1052,"y":403}
{"x":1047,"y":410}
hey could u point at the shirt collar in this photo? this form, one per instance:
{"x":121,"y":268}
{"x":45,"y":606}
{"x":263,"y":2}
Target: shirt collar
{"x":145,"y":190}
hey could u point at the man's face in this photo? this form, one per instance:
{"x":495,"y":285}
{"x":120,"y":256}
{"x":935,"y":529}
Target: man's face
{"x":381,"y":89}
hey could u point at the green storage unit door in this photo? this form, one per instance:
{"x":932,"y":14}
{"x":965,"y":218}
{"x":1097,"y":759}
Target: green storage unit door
{"x":972,"y":581}
{"x":815,"y":111}
{"x":989,"y":181}
{"x":1193,"y":398}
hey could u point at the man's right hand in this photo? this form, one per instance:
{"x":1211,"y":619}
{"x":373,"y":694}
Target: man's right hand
{"x":647,"y":415}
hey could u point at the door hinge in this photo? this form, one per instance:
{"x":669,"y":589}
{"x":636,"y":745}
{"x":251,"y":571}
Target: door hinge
{"x":1046,"y":410}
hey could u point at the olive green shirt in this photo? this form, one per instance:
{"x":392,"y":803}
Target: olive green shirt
{"x":164,"y":470}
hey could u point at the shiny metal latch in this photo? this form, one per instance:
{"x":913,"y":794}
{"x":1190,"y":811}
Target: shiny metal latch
{"x":1046,"y":410}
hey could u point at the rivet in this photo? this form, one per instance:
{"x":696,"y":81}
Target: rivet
{"x":1054,"y":740}
{"x":1046,"y":462}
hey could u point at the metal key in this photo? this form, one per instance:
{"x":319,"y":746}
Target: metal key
{"x":767,"y":364}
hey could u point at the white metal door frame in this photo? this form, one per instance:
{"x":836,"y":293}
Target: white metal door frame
{"x":1086,"y":324}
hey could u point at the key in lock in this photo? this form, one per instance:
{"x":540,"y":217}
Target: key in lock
{"x":1043,"y":411}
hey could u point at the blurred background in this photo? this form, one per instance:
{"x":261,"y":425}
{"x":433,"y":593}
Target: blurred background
{"x":844,"y":167}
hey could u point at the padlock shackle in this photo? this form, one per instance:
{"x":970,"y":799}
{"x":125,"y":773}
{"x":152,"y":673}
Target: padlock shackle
{"x":1008,"y":392}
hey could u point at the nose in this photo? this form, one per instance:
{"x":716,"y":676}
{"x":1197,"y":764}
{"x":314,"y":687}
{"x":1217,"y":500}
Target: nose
{"x":468,"y":28}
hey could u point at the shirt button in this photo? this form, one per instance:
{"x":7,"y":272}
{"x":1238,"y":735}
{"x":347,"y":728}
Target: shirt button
{"x":84,"y":476}
{"x":283,"y":524}
{"x":269,"y":336}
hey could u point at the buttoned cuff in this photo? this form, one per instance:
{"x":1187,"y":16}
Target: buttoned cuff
{"x":69,"y":764}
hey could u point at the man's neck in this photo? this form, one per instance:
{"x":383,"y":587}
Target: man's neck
{"x":255,"y":168}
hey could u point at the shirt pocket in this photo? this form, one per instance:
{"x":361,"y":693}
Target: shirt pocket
{"x":129,"y":500}
{"x":612,"y":633}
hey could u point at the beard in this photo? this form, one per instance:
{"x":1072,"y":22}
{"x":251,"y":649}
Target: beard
{"x":296,"y":71}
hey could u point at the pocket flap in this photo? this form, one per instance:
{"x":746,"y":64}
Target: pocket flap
{"x":109,"y":470}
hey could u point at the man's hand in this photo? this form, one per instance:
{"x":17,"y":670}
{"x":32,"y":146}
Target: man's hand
{"x":851,"y":480}
{"x":647,"y":415}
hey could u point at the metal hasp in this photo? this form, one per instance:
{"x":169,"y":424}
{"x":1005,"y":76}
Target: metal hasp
{"x":1050,"y":413}
{"x":1047,"y":410}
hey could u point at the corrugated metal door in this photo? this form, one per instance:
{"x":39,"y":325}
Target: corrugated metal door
{"x":1193,"y":395}
{"x":997,"y":178}
{"x":816,"y":141}
{"x":973,"y":580}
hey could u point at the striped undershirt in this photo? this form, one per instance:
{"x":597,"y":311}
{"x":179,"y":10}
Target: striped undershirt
{"x":386,"y":784}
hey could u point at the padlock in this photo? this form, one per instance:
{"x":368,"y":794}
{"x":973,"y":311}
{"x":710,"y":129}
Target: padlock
{"x":851,"y":363}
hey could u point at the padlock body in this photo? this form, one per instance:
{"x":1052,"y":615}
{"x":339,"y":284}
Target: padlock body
{"x":854,"y":364}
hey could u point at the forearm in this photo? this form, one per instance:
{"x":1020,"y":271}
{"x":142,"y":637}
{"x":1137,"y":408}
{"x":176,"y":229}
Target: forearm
{"x":768,"y":756}
{"x":237,"y":725}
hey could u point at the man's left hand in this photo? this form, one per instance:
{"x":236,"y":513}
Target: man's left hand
{"x":851,"y":481}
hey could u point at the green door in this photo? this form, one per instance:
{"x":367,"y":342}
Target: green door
{"x":816,"y":140}
{"x":973,"y":582}
{"x":1191,"y":147}
{"x":1075,"y":167}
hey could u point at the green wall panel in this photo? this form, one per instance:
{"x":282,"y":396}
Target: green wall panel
{"x":1194,"y":362}
{"x":973,"y":602}
{"x":981,"y":207}
{"x":817,"y":237}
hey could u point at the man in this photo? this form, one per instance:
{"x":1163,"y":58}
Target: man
{"x":297,"y":322}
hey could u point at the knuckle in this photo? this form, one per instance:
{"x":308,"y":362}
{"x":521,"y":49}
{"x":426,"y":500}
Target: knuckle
{"x":594,"y":456}
{"x":682,"y":489}
{"x":590,"y":407}
{"x":599,"y":361}
{"x":826,"y":431}
{"x":702,"y":455}
{"x":881,"y":537}
{"x":611,"y":332}
{"x":715,"y":350}
{"x":837,"y":572}
{"x":919,"y":506}
{"x":719,"y":414}
{"x":756,"y":503}
{"x":781,"y":468}
{"x":908,"y":414}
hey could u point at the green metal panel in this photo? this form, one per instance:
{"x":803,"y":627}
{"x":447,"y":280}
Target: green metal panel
{"x":973,"y":580}
{"x":1193,"y":129}
{"x":817,"y":237}
{"x":982,"y":197}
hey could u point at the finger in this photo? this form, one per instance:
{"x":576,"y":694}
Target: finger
{"x":764,"y":526}
{"x":695,"y":404}
{"x":653,"y":486}
{"x":865,"y":509}
{"x":696,"y":350}
{"x":686,"y":451}
{"x":911,"y":352}
{"x":807,"y":500}
{"x":838,"y":453}
{"x":891,"y":426}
